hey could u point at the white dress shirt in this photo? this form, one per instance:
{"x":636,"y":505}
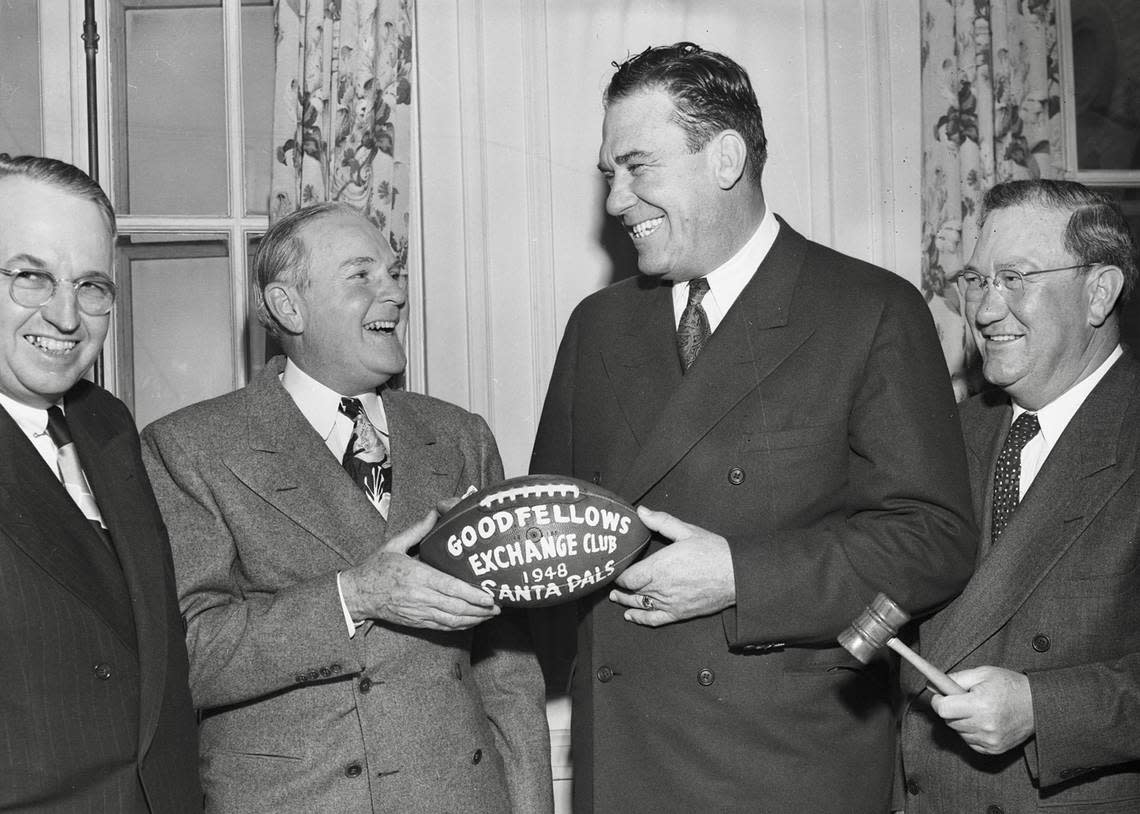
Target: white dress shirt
{"x":32,"y":421}
{"x":1053,"y":418}
{"x":728,"y":280}
{"x":321,"y":408}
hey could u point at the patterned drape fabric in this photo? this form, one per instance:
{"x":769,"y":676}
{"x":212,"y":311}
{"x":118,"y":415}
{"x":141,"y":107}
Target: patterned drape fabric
{"x":990,"y":113}
{"x":342,"y":116}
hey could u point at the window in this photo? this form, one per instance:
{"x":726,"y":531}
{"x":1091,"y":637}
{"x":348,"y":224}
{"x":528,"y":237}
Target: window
{"x":1100,"y":46}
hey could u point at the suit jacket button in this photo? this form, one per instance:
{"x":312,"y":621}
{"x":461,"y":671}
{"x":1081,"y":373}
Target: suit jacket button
{"x":706,"y":677}
{"x":478,"y":756}
{"x":736,"y":476}
{"x":1040,"y":642}
{"x":994,"y":810}
{"x":605,"y":674}
{"x":365,"y":684}
{"x":912,"y":786}
{"x":102,"y":671}
{"x":352,"y":770}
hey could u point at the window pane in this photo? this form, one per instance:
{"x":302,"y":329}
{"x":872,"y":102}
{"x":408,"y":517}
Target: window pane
{"x":1106,"y":79}
{"x":20,"y":116}
{"x":175,"y":110}
{"x":180,"y":325}
{"x":257,"y":59}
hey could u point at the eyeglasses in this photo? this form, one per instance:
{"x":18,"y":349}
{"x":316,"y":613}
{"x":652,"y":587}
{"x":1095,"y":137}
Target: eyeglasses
{"x":32,"y":289}
{"x":1010,"y":282}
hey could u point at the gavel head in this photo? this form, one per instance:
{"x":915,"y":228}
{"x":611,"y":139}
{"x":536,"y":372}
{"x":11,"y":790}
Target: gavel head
{"x":873,"y":628}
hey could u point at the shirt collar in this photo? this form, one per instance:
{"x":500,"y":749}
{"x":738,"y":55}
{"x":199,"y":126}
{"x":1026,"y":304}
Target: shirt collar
{"x":31,"y":420}
{"x":321,"y":406}
{"x":729,"y":279}
{"x":1057,"y":414}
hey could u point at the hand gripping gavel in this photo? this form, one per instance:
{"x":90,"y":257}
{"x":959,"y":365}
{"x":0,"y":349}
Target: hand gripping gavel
{"x":878,"y":626}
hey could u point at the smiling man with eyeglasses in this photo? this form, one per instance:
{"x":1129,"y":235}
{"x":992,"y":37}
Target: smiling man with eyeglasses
{"x":1045,"y":639}
{"x":95,"y":710}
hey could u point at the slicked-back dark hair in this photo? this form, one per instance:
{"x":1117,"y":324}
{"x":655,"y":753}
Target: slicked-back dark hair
{"x":1097,"y":231}
{"x":711,"y":94}
{"x":61,"y":175}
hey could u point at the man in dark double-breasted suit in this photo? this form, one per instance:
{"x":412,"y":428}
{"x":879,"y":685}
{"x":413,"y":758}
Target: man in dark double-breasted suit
{"x":95,"y":712}
{"x":789,"y":408}
{"x":1045,"y":639}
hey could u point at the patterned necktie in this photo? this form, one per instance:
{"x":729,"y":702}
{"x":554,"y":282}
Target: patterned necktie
{"x":366,"y":457}
{"x":74,"y":480}
{"x":693,"y":329}
{"x":1007,"y":473}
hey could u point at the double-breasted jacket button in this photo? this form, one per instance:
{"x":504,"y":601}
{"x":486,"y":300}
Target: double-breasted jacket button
{"x":705,"y":676}
{"x":1041,"y":642}
{"x":102,"y":671}
{"x":994,"y":810}
{"x":736,"y":476}
{"x":365,"y":684}
{"x":605,"y":673}
{"x":912,"y":786}
{"x":353,"y":770}
{"x":478,"y":756}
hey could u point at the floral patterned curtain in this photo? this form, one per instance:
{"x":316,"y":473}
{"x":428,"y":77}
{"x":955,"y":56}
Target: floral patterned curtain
{"x":990,"y":113}
{"x":342,"y":116}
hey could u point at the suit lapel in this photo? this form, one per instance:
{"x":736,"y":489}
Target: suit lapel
{"x":40,"y":517}
{"x":1079,"y":477}
{"x":287,"y":463}
{"x":109,"y":460}
{"x":755,"y":337}
{"x":641,"y":363}
{"x":425,"y":467}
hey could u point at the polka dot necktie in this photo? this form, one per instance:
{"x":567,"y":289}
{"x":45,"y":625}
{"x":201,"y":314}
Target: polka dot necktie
{"x":693,"y":329}
{"x":1007,"y":473}
{"x":366,"y":457}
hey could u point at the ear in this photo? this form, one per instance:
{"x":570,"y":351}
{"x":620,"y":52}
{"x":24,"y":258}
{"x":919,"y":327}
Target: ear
{"x":1103,"y":289}
{"x":285,"y":306}
{"x":729,"y":155}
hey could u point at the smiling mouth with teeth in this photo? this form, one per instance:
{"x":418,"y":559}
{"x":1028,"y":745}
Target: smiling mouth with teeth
{"x":381,"y":326}
{"x":55,"y":347}
{"x":645,"y":228}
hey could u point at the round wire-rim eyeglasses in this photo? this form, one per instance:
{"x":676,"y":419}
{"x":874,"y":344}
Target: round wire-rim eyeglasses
{"x":32,"y":288}
{"x":974,"y":284}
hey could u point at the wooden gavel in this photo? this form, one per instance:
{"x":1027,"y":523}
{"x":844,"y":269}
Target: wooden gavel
{"x":878,"y":627}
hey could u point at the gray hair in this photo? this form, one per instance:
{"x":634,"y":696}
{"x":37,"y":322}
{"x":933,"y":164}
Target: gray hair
{"x":283,"y":256}
{"x":64,"y":177}
{"x":1097,"y":231}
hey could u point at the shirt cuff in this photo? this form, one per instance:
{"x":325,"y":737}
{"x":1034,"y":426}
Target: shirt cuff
{"x":348,"y":621}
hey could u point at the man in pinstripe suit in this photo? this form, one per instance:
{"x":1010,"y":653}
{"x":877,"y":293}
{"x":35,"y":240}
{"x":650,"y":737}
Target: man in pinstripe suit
{"x":95,"y":712}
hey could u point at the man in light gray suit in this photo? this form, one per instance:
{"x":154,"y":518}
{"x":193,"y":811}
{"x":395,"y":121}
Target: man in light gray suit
{"x":333,"y":671}
{"x":1045,"y":639}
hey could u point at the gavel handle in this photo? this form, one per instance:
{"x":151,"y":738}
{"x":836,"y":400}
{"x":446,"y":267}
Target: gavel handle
{"x":942,"y":682}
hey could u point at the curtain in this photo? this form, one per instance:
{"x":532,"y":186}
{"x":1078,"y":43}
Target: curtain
{"x":342,"y":111}
{"x":990,"y":113}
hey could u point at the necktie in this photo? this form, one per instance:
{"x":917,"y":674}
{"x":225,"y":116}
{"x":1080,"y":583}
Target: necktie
{"x":1007,"y":473}
{"x":100,"y":563}
{"x":74,"y":481}
{"x":366,"y":457}
{"x":693,"y":329}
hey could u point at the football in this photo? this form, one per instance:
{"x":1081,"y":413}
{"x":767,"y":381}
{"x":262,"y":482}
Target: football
{"x":537,"y":540}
